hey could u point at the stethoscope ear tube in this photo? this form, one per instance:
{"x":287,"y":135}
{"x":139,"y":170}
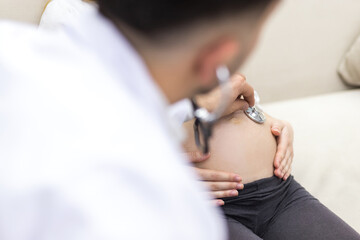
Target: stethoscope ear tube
{"x":204,"y":120}
{"x":223,"y":75}
{"x":203,"y":131}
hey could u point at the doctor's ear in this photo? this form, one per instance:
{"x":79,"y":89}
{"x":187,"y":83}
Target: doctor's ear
{"x":219,"y":53}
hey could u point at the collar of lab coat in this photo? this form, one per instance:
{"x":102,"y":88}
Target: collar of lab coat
{"x":100,"y":35}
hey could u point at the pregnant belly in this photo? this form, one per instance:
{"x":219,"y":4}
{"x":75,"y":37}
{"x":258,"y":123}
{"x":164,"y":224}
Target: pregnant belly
{"x":241,"y":146}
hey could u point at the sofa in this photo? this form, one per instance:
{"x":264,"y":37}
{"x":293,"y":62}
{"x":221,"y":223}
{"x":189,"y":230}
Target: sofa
{"x":294,"y":69}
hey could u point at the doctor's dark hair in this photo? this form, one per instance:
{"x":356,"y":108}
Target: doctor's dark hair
{"x":159,"y":16}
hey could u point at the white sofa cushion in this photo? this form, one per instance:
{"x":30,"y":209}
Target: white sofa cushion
{"x":327,"y":148}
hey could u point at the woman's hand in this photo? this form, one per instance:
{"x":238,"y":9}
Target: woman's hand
{"x":221,"y":184}
{"x":284,"y":134}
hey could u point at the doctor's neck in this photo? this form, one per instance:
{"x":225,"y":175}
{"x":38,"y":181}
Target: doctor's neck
{"x":182,"y":48}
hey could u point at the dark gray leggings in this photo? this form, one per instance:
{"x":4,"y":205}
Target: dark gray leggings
{"x":271,"y":208}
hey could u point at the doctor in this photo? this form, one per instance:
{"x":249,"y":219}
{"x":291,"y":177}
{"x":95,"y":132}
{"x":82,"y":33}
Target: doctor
{"x":86,"y":148}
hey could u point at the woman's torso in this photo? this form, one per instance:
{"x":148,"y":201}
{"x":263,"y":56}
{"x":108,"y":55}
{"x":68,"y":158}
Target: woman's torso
{"x":240,"y":146}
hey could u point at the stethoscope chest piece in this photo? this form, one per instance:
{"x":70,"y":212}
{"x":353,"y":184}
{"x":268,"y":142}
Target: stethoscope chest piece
{"x":255,"y":114}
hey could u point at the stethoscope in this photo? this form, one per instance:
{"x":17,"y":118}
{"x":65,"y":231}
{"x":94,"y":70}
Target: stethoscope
{"x":205,"y":120}
{"x":255,"y":113}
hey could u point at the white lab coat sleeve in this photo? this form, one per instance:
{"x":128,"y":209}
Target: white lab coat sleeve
{"x":113,"y":203}
{"x":61,"y":12}
{"x":181,"y":111}
{"x":96,"y":190}
{"x":74,"y":160}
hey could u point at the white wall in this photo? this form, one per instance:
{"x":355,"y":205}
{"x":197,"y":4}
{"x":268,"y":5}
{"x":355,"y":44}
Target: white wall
{"x":301,"y":47}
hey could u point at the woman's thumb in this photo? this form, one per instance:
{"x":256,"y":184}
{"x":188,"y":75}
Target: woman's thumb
{"x":276,"y":130}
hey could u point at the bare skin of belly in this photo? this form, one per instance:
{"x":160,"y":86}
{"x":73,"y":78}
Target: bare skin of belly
{"x":240,"y":146}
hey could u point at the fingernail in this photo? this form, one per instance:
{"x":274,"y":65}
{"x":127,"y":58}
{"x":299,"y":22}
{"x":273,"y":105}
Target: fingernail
{"x":237,"y":178}
{"x":220,"y":203}
{"x":234,"y":193}
{"x":240,"y":186}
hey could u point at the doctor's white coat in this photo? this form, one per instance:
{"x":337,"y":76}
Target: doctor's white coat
{"x":86,"y":147}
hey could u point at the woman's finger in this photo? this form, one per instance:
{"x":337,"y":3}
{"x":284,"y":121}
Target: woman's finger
{"x":223,"y":194}
{"x":276,"y":128}
{"x":284,"y":167}
{"x":280,"y":154}
{"x":279,"y":171}
{"x":215,"y":176}
{"x":218,"y":202}
{"x":196,"y":157}
{"x":287,"y":170}
{"x":276,"y":131}
{"x":218,"y":186}
{"x":285,"y":163}
{"x":287,"y":174}
{"x":282,"y":146}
